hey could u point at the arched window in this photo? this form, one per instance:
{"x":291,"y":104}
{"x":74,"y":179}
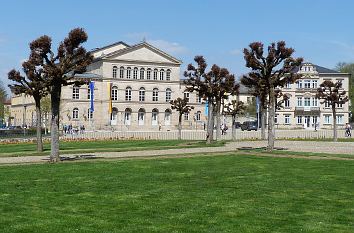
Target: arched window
{"x":198,"y":116}
{"x":114,"y":72}
{"x":114,"y":93}
{"x":168,"y":75}
{"x":135,"y":73}
{"x":128,"y":94}
{"x":75,"y":113}
{"x":127,"y":116}
{"x":76,"y":92}
{"x":162,"y":74}
{"x":121,"y":72}
{"x":155,"y":94}
{"x":114,"y":116}
{"x":142,"y":73}
{"x":129,"y":72}
{"x":148,"y":74}
{"x":155,"y":74}
{"x":142,"y":94}
{"x":154,"y":116}
{"x":141,"y":116}
{"x":167,"y":117}
{"x":168,"y":95}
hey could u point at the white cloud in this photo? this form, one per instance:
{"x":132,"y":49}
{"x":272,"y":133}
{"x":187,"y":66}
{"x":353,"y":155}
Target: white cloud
{"x":169,"y":47}
{"x":236,"y":52}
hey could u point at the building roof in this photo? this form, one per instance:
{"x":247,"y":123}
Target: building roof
{"x":139,"y":45}
{"x":319,"y":69}
{"x":110,"y":45}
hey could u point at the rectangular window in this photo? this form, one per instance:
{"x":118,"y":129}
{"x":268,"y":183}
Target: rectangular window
{"x":287,"y":103}
{"x":307,"y":83}
{"x":299,"y":119}
{"x":288,"y":85}
{"x":299,"y":101}
{"x":287,"y":119}
{"x":89,"y":93}
{"x":327,"y":119}
{"x":186,"y":116}
{"x":314,"y":102}
{"x":307,"y":102}
{"x":340,"y":105}
{"x":327,"y":105}
{"x":339,"y":119}
{"x":76,"y":92}
{"x":198,"y":98}
{"x":186,"y":96}
{"x":299,"y":84}
{"x":276,"y":119}
{"x":89,"y":114}
{"x":314,"y":84}
{"x":148,"y":74}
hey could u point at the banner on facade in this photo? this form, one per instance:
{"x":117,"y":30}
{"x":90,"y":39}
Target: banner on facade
{"x":92,"y":88}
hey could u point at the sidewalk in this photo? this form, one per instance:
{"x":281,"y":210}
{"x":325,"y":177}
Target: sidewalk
{"x":300,"y":146}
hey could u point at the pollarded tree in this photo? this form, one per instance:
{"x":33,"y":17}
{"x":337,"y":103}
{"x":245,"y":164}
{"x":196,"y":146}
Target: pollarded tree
{"x":33,"y":84}
{"x":182,"y":107}
{"x":332,"y":94}
{"x":235,"y":108}
{"x":273,"y":70}
{"x":60,"y":68}
{"x":214,"y":86}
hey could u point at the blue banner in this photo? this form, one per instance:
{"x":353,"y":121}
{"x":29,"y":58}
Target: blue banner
{"x":92,"y":87}
{"x":206,"y":108}
{"x":257,"y":104}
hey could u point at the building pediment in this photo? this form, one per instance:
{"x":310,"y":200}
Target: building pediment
{"x":142,"y":52}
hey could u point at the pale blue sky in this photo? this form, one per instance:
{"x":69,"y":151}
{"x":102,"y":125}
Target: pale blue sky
{"x":320,"y":31}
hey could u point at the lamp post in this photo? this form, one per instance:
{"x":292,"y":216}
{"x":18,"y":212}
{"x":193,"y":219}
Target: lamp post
{"x":24,"y":120}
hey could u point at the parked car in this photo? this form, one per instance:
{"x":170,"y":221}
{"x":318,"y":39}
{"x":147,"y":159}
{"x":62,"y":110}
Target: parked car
{"x":249,"y":125}
{"x":237,"y":124}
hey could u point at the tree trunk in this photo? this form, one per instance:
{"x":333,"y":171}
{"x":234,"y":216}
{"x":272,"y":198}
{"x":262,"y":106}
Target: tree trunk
{"x":271,"y":113}
{"x":39,"y":125}
{"x":335,"y":137}
{"x":263,"y":123}
{"x":218,"y":120}
{"x":180,"y":126}
{"x":233,"y":131}
{"x":210,"y":129}
{"x":55,"y":104}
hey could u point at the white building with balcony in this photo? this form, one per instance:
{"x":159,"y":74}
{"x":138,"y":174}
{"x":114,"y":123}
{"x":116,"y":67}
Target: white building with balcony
{"x":303,"y":109}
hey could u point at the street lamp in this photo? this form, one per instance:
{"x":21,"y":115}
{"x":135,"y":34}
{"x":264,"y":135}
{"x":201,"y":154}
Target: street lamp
{"x":24,"y":120}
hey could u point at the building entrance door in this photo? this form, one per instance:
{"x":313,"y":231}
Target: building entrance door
{"x":307,"y":122}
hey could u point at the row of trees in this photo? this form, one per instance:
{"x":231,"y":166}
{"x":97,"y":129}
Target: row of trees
{"x":46,"y":71}
{"x":271,"y":69}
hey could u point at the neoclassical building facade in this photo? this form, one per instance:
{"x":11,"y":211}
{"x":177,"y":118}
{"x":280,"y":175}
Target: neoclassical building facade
{"x":133,"y":86}
{"x":302,"y":109}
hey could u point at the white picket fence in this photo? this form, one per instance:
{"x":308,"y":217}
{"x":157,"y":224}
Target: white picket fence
{"x":201,"y":135}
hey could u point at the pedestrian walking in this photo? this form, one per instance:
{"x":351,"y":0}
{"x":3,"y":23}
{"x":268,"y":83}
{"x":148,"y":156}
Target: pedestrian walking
{"x":348,"y":130}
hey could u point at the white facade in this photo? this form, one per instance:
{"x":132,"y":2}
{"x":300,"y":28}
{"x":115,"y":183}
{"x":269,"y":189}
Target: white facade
{"x":137,"y":82}
{"x":303,"y":110}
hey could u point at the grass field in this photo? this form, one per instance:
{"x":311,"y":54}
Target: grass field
{"x":225,"y":193}
{"x":73,"y":147}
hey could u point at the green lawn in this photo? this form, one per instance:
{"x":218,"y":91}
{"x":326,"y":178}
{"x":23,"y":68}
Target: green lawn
{"x":229,"y":193}
{"x":67,"y":147}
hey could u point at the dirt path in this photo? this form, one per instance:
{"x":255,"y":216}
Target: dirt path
{"x":346,"y":148}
